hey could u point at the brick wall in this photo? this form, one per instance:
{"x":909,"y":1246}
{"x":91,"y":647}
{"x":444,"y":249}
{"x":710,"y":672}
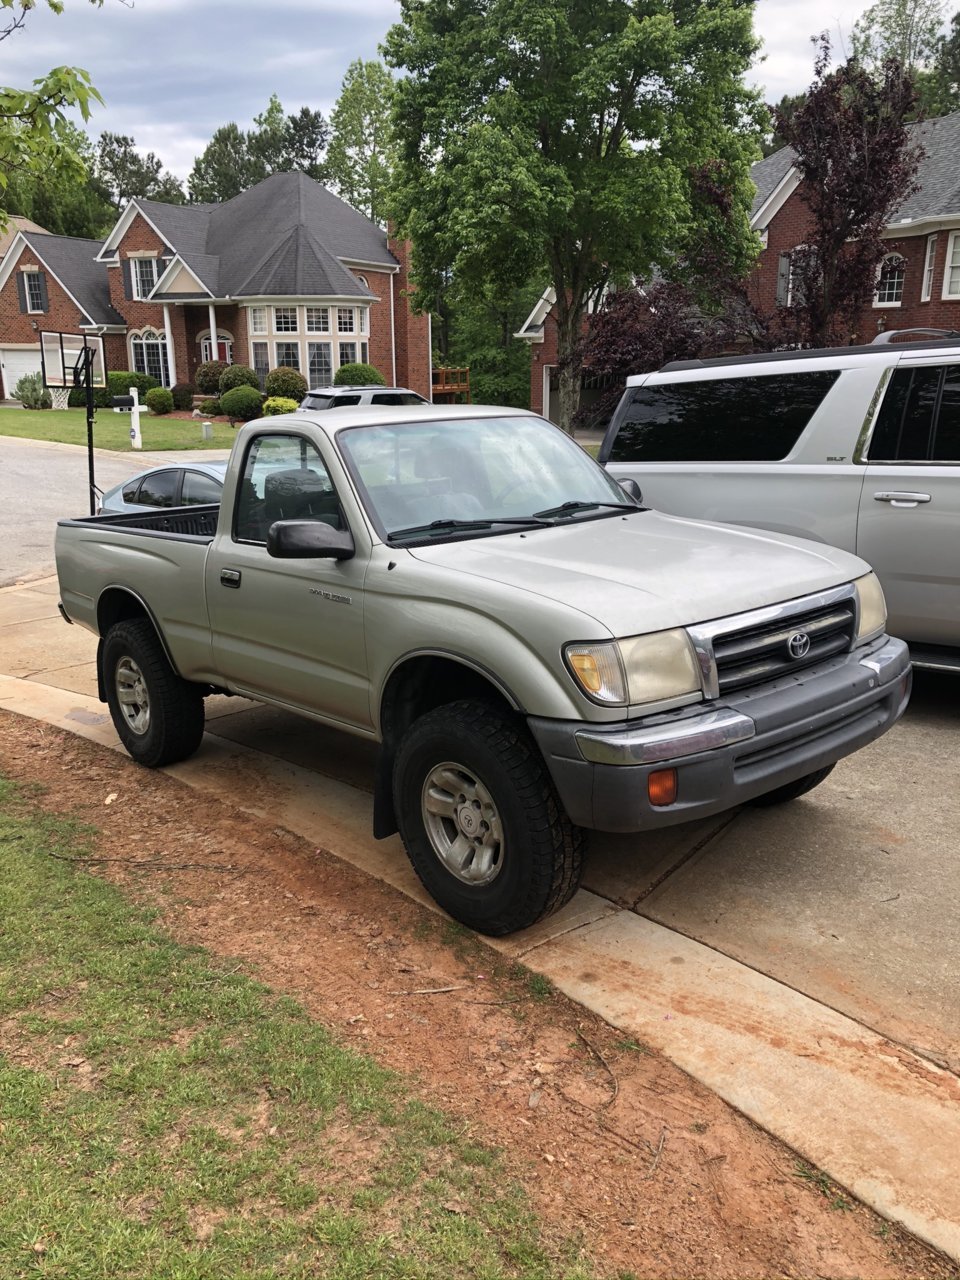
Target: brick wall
{"x":542,"y":354}
{"x":380,"y":283}
{"x":16,"y":328}
{"x":412,"y":330}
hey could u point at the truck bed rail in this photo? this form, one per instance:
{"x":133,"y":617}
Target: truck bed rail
{"x":191,"y":522}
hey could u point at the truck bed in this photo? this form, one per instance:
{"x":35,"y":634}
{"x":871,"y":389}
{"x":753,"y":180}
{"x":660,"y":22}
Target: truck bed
{"x":196,"y":523}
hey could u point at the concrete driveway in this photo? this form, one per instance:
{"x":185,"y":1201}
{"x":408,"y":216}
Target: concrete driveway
{"x":803,"y":961}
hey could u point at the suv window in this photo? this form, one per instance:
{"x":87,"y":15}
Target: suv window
{"x":919,"y":419}
{"x":284,"y":478}
{"x":159,"y":489}
{"x":719,"y":420}
{"x":396,"y":397}
{"x":345,"y":400}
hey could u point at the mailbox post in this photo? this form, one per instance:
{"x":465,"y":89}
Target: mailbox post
{"x":130,"y":404}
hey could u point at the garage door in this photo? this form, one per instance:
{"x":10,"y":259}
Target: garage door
{"x":15,"y":362}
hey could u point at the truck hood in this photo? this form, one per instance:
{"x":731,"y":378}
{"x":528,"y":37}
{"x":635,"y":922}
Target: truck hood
{"x":649,"y":571}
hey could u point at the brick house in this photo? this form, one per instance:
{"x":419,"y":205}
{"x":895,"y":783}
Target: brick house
{"x":918,"y":284}
{"x":283,"y":274}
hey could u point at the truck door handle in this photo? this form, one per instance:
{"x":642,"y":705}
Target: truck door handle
{"x":230,"y":577}
{"x":902,"y":499}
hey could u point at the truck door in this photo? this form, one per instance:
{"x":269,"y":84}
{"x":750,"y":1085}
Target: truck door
{"x":288,"y":630}
{"x":909,"y":525}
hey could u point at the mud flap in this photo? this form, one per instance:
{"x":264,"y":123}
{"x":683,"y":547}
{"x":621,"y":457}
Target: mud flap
{"x":384,"y":817}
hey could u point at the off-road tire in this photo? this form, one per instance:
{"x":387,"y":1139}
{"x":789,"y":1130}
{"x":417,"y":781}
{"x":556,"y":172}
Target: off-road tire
{"x":176,"y":716}
{"x":542,"y":851}
{"x":792,"y":790}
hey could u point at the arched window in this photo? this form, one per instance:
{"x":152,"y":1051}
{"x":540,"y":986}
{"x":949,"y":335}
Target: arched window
{"x":890,"y":279}
{"x":148,"y":351}
{"x":363,"y":281}
{"x":224,"y":349}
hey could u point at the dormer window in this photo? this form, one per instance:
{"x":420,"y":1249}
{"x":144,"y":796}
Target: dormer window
{"x":144,"y":275}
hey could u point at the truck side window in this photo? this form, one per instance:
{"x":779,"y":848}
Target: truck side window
{"x":284,"y":478}
{"x":756,"y":419}
{"x":905,"y":421}
{"x":946,"y":442}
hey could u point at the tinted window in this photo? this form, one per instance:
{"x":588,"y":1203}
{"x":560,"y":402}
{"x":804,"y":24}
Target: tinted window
{"x":130,"y":491}
{"x":719,"y":420}
{"x":345,"y":400}
{"x":199,"y":489}
{"x":946,"y":442}
{"x":159,"y":489}
{"x":396,"y":397}
{"x":905,"y":424}
{"x":283,"y":479}
{"x":317,"y":402}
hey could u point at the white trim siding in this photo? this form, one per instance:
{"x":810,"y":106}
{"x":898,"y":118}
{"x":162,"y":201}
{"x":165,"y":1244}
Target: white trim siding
{"x":951,"y":269}
{"x":929,"y":262}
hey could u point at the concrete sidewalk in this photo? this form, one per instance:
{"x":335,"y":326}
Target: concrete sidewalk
{"x":802,"y":963}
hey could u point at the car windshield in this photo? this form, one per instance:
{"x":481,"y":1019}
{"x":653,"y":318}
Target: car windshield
{"x":466,"y":477}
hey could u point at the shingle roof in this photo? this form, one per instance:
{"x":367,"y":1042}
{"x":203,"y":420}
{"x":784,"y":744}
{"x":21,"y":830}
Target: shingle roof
{"x":938,"y":176}
{"x":73,"y":262}
{"x":283,"y":236}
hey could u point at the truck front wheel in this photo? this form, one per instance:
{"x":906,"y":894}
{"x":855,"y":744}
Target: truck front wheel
{"x":157,"y":715}
{"x":481,"y":820}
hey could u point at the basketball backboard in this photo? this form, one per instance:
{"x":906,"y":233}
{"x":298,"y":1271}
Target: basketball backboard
{"x":63,"y":354}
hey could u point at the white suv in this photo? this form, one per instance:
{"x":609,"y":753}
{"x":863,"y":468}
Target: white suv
{"x":341,"y":397}
{"x":854,"y":446}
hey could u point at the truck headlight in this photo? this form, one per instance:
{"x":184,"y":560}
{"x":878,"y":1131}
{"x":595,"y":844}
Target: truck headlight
{"x":640,"y":669}
{"x":873,"y":608}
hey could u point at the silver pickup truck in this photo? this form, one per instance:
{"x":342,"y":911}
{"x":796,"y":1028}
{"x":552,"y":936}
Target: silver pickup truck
{"x":535,"y":651}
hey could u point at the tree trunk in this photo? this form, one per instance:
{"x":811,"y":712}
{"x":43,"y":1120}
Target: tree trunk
{"x":568,"y":367}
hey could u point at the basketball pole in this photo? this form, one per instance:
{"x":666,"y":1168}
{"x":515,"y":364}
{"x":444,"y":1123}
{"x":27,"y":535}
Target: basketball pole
{"x":91,"y":411}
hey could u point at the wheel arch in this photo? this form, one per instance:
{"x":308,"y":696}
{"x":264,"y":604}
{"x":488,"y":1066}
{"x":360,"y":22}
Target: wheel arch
{"x":122,"y":604}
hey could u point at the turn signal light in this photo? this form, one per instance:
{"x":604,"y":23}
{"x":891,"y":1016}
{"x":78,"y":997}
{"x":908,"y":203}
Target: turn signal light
{"x":662,"y":787}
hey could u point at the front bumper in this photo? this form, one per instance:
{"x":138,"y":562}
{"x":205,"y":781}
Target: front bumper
{"x":729,"y":751}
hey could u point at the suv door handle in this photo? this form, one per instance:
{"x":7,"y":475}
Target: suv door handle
{"x":230,"y":577}
{"x":902,"y":499}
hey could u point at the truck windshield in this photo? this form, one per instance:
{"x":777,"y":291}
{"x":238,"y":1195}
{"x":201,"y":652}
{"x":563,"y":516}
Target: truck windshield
{"x":469,"y":477}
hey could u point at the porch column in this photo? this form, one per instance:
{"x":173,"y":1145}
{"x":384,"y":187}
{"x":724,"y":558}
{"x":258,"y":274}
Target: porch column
{"x":171,"y":353}
{"x":214,"y":348}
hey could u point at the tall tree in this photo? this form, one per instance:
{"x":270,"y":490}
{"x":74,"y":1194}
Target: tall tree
{"x":123,"y":172}
{"x":360,"y":157}
{"x":907,"y":30}
{"x":226,"y":167}
{"x":305,"y":143}
{"x":482,"y":326}
{"x":30,"y":139}
{"x":939,"y":86}
{"x":56,"y":197}
{"x":543,"y":135}
{"x":857,"y":164}
{"x":785,"y":107}
{"x":234,"y":159}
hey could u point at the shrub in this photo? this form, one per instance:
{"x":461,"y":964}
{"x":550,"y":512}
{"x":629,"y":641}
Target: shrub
{"x":119,"y":383}
{"x":359,"y":375}
{"x":31,"y":392}
{"x":183,"y":394}
{"x":159,"y":400}
{"x":278,"y":404}
{"x":210,"y":408}
{"x":241,"y":404}
{"x":208,"y":376}
{"x":287,"y":383}
{"x":238,"y":375}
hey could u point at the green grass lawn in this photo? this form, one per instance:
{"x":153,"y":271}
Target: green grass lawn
{"x":163,"y":1116}
{"x":111,"y":430}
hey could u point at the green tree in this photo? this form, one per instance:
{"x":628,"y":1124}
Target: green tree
{"x":787,"y":105}
{"x":278,"y":143}
{"x":360,"y":157}
{"x":908,"y":30}
{"x":56,"y":198}
{"x":31,"y":139}
{"x":547,"y":136}
{"x":481,"y":327}
{"x":226,"y":167}
{"x":123,"y":173}
{"x":939,"y":87}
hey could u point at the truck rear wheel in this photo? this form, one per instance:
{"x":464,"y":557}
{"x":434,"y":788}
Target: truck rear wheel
{"x":157,"y":715}
{"x":792,"y":790}
{"x":481,"y":820}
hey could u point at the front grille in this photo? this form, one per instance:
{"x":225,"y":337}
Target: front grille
{"x":756,"y":654}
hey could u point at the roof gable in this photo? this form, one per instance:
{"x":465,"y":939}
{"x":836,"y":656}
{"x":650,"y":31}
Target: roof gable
{"x":73,"y":264}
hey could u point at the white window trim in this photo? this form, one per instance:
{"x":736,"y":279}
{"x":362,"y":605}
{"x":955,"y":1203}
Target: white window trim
{"x":292,"y":342}
{"x":285,"y":307}
{"x":160,"y":338}
{"x":265,"y":331}
{"x":885,"y":306}
{"x":32,"y":311}
{"x":929,"y":263}
{"x":945,"y":294}
{"x":135,"y":260}
{"x":324,"y":341}
{"x":313,"y":306}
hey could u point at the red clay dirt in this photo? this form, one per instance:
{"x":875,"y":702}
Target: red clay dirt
{"x":614,"y":1144}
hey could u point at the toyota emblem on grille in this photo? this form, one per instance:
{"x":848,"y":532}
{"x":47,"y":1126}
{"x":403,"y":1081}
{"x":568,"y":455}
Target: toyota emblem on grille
{"x":798,"y":646}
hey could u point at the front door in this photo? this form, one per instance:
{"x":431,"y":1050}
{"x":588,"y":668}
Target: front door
{"x":288,"y":630}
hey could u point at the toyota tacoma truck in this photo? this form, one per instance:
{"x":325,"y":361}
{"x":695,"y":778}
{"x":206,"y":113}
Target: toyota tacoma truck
{"x":536,"y":653}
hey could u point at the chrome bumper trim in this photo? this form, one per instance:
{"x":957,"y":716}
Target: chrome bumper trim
{"x":887,"y":656}
{"x":686,"y":737}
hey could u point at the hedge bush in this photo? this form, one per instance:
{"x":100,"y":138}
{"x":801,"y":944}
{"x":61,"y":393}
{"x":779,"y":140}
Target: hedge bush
{"x":278,"y":404}
{"x":183,"y":394}
{"x":237,"y":375}
{"x":241,"y":404}
{"x":119,"y":383}
{"x":160,"y":400}
{"x":210,"y":408}
{"x":31,"y":392}
{"x":359,"y":375}
{"x":208,"y":376}
{"x":287,"y":383}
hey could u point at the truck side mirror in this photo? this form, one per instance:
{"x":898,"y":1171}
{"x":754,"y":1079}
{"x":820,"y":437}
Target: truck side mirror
{"x":309,"y":540}
{"x":632,"y":489}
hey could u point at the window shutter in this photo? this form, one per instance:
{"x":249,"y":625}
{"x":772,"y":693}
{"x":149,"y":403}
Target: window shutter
{"x":22,"y":291}
{"x":127,"y":266}
{"x":783,"y":279}
{"x":44,"y":296}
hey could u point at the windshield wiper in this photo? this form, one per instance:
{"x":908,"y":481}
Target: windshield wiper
{"x":453,"y":526}
{"x":570,"y":508}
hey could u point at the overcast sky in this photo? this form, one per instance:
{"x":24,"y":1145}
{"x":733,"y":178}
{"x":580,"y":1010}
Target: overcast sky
{"x":172,"y":71}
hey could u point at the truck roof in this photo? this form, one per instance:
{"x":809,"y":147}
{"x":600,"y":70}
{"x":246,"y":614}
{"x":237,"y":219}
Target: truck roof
{"x":374,"y":414}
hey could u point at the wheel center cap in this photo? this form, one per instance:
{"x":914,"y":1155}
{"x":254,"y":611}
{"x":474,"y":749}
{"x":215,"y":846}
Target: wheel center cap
{"x":468,"y":820}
